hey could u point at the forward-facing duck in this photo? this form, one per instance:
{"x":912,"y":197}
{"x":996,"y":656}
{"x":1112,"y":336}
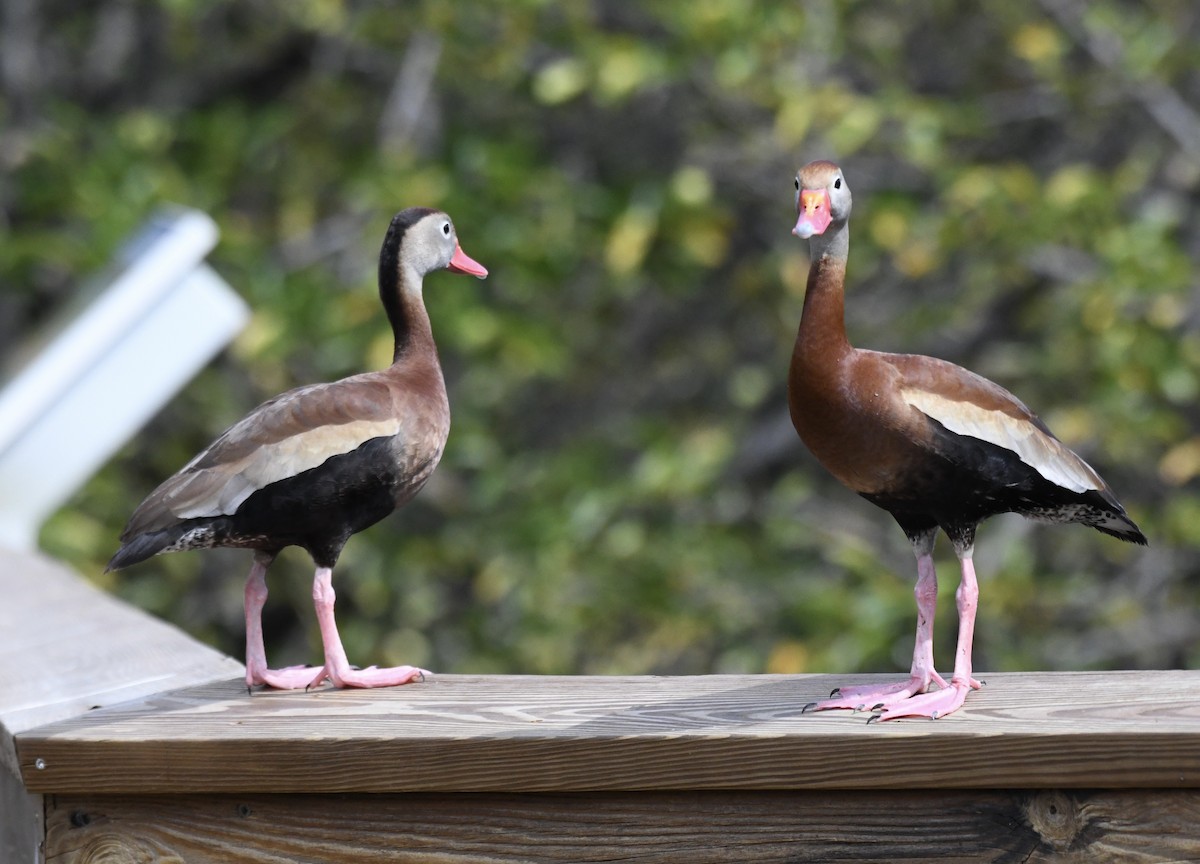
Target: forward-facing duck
{"x":936,"y":446}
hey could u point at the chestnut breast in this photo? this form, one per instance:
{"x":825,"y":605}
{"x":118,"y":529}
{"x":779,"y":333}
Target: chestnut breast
{"x":419,"y":402}
{"x":848,"y":411}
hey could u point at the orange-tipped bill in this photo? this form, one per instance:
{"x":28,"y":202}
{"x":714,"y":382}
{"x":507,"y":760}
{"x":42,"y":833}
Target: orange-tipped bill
{"x":463,"y":263}
{"x":814,"y":217}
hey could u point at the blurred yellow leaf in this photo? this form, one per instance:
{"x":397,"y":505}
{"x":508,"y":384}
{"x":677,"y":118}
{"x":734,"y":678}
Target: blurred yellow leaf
{"x":1069,"y":185}
{"x":792,"y":122}
{"x":692,"y":185}
{"x":625,"y":68}
{"x":629,"y":239}
{"x":560,"y":81}
{"x":788,"y":658}
{"x":1037,"y":43}
{"x":889,"y":228}
{"x":918,"y":257}
{"x":1181,"y":463}
{"x":705,"y":242}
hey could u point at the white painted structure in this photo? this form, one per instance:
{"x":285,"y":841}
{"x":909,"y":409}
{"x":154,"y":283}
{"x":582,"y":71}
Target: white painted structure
{"x":108,"y":369}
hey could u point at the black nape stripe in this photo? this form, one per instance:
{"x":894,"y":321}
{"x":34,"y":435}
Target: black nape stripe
{"x":389,"y":269}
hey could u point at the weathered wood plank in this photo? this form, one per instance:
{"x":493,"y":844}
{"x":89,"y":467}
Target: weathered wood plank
{"x":540,"y":734}
{"x":697,"y":827}
{"x":21,"y":822}
{"x":66,"y":647}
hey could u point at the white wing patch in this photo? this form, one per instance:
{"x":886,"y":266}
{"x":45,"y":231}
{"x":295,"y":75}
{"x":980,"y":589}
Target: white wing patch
{"x":1044,"y":454}
{"x":198,"y":496}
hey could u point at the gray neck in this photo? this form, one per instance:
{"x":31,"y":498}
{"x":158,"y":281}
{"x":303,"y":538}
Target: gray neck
{"x":834,"y":243}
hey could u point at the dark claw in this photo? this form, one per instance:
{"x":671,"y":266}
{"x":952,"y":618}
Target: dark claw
{"x":873,"y":718}
{"x":807,"y":707}
{"x":876,"y":706}
{"x":835,"y":691}
{"x":421,"y":678}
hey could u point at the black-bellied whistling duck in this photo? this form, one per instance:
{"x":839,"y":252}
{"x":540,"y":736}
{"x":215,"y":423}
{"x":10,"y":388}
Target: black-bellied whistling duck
{"x":933,"y":444}
{"x":317,"y":464}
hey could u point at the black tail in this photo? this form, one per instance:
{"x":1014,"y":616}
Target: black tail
{"x":143,"y":546}
{"x":1121,"y":527}
{"x":1111,"y":518}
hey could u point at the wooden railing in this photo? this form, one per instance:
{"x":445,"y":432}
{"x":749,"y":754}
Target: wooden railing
{"x":125,"y":740}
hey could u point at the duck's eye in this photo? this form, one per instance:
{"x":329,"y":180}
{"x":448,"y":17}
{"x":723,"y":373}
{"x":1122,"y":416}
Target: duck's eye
{"x":797,"y":184}
{"x":446,"y":228}
{"x":837,"y":184}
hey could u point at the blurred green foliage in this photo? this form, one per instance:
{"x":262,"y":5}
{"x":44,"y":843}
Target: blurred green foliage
{"x":622,"y":491}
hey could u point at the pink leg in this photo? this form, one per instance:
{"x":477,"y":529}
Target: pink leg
{"x":922,"y":672}
{"x":948,"y":699}
{"x":337,"y":667}
{"x":256,"y":652}
{"x":256,"y":598}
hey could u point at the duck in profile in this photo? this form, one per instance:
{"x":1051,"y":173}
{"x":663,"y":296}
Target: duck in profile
{"x":320,"y":463}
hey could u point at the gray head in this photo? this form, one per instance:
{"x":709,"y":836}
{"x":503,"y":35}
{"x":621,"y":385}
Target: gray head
{"x":822,"y":198}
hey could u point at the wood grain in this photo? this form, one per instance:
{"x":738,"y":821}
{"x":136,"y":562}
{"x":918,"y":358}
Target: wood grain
{"x":697,"y":827}
{"x":66,"y":647}
{"x":457,"y":733}
{"x":178,"y":763}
